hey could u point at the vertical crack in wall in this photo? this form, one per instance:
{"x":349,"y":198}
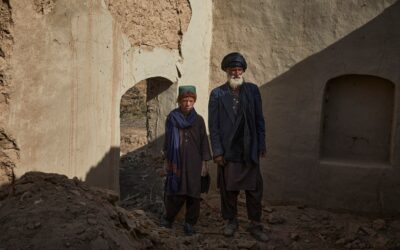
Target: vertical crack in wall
{"x":9,"y":151}
{"x":182,"y":22}
{"x":9,"y":154}
{"x":152,"y":23}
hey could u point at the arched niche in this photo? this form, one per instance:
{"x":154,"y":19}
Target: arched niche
{"x":357,"y":119}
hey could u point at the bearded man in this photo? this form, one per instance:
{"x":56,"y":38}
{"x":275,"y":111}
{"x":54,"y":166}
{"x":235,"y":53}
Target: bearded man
{"x":237,"y":133}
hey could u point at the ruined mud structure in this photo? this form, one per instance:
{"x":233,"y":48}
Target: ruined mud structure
{"x":328,"y":72}
{"x":9,"y":151}
{"x":79,"y":58}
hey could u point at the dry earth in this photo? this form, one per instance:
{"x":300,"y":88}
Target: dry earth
{"x":50,"y":211}
{"x":290,"y":227}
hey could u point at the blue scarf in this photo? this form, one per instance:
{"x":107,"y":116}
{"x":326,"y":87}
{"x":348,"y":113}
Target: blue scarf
{"x":175,"y":121}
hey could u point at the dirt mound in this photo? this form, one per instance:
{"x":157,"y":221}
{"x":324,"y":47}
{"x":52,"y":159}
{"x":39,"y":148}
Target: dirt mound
{"x":50,"y":211}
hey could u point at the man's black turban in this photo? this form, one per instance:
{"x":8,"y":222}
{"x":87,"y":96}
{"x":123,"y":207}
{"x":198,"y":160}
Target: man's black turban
{"x":234,"y":59}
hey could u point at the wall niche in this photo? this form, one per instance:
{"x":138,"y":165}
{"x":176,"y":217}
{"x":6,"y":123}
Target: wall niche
{"x":357,"y":119}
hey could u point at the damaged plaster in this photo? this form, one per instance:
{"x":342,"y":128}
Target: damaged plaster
{"x":73,"y":64}
{"x":9,"y":154}
{"x":9,"y":151}
{"x":44,"y":7}
{"x":152,"y":23}
{"x":6,"y":42}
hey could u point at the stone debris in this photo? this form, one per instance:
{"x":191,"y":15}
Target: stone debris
{"x":289,"y":227}
{"x":379,"y":224}
{"x":268,"y":209}
{"x":246,"y":244}
{"x":275,"y":219}
{"x":295,"y":236}
{"x":57,"y":214}
{"x":72,"y":215}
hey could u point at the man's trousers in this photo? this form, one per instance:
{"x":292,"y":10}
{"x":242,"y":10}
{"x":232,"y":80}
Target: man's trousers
{"x":229,"y":199}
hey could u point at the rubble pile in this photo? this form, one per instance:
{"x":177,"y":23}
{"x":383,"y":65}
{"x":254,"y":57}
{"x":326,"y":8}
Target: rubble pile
{"x":290,"y":227}
{"x":50,"y":211}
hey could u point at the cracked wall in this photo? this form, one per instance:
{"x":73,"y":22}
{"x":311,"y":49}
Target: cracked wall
{"x":6,"y":42}
{"x":9,"y":151}
{"x":152,"y":23}
{"x":44,"y":7}
{"x":9,"y":154}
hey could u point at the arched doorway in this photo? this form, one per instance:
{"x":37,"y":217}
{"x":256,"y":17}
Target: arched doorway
{"x":133,"y":109}
{"x":144,"y":108}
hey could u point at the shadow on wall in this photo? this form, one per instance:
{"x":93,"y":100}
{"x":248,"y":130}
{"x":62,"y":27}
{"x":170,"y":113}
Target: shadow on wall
{"x":357,"y":120}
{"x":105,"y":173}
{"x":139,"y":171}
{"x":293,"y":103}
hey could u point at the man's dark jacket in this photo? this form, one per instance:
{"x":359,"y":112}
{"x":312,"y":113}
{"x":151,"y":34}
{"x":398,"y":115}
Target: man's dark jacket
{"x":221,"y":120}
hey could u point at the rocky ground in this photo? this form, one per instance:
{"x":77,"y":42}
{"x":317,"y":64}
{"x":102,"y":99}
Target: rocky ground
{"x":290,"y":227}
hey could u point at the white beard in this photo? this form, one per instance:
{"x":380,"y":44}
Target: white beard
{"x":235,"y":82}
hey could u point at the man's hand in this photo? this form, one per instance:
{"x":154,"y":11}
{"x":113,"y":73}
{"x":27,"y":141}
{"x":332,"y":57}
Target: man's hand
{"x":220,"y":160}
{"x":204,"y":169}
{"x":263,"y":154}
